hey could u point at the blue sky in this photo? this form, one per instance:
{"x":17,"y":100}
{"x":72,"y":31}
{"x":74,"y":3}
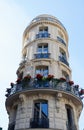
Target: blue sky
{"x":15,"y":15}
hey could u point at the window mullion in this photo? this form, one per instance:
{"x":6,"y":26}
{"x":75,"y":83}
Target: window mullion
{"x":40,"y":111}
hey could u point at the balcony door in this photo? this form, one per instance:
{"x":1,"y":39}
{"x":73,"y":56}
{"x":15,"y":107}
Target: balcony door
{"x":70,"y":118}
{"x":42,"y":48}
{"x":40,"y":110}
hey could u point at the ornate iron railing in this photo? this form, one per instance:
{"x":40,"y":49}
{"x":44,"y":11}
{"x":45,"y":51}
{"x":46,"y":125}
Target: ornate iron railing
{"x":62,"y":59}
{"x":43,"y":35}
{"x":42,"y":55}
{"x":43,"y":84}
{"x":61,"y":40}
{"x":71,"y":126}
{"x":39,"y":123}
{"x":11,"y":126}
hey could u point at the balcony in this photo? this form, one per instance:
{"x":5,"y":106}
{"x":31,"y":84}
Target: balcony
{"x":62,"y":59}
{"x":11,"y":126}
{"x":43,"y":35}
{"x":42,"y":55}
{"x":39,"y":123}
{"x":71,"y":126}
{"x":61,"y":40}
{"x":54,"y":84}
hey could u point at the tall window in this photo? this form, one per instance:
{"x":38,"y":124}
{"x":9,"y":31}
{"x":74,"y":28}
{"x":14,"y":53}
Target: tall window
{"x":70,"y":118}
{"x":42,"y":70}
{"x":65,"y":75}
{"x":41,"y":109}
{"x":62,"y":53}
{"x":43,"y":48}
{"x":12,"y":124}
{"x":40,"y":119}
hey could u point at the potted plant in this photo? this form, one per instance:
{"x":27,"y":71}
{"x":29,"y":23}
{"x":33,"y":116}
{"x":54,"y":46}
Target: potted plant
{"x":71,"y":82}
{"x":27,"y":78}
{"x":50,"y":77}
{"x":39,"y":76}
{"x":62,"y":79}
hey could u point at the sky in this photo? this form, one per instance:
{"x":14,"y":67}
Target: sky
{"x":15,"y":16}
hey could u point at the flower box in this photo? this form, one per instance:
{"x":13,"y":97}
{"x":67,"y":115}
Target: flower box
{"x":39,"y":76}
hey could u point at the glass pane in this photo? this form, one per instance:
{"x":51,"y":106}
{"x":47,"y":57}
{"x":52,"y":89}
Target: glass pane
{"x":36,"y":111}
{"x":39,"y":50}
{"x":45,"y":49}
{"x":45,"y":72}
{"x":38,"y":71}
{"x":46,"y":29}
{"x":44,"y":110}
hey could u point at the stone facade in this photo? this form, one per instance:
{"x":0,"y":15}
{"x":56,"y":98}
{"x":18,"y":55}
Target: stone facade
{"x":40,"y":104}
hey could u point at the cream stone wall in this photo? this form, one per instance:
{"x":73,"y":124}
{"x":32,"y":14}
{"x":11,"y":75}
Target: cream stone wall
{"x":56,"y":111}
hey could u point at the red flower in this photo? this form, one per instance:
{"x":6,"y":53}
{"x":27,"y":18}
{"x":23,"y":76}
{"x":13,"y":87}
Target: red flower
{"x":18,"y":80}
{"x":62,"y":79}
{"x":81,"y":92}
{"x":50,"y":77}
{"x":39,"y":76}
{"x":27,"y":77}
{"x":71,"y":82}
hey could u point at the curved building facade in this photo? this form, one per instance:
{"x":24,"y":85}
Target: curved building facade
{"x":44,"y":95}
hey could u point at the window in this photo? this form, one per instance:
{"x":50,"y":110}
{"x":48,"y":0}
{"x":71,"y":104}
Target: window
{"x":62,"y":53}
{"x":70,"y":118}
{"x":42,"y":48}
{"x":65,"y":75}
{"x":43,"y":29}
{"x":63,"y":57}
{"x":12,"y":124}
{"x":42,"y":70}
{"x":40,"y":110}
{"x":40,"y":118}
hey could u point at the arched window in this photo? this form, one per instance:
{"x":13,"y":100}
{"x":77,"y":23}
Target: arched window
{"x":70,"y":118}
{"x":12,"y":124}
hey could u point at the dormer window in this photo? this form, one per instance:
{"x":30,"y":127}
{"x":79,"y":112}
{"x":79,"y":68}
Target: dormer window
{"x":62,"y":57}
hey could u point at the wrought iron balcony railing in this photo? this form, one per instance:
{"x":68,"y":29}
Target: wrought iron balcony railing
{"x":54,"y":84}
{"x":39,"y":123}
{"x":61,"y":40}
{"x":71,"y":126}
{"x":42,"y":55}
{"x":62,"y":59}
{"x":11,"y":126}
{"x":43,"y":35}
